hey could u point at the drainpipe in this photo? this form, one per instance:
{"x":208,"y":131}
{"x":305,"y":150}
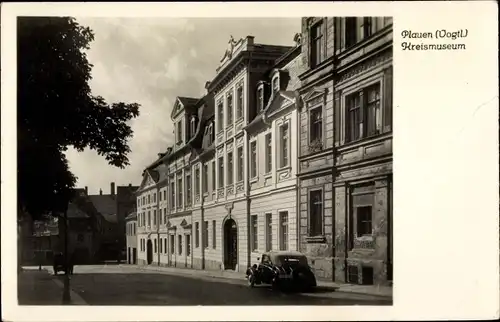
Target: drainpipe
{"x":202,"y":216}
{"x":334,"y":212}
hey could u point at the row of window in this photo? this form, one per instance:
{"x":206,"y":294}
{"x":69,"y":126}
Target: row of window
{"x":230,"y":105}
{"x":131,"y":229}
{"x":144,"y":218}
{"x":352,"y":30}
{"x":360,"y":208}
{"x":204,"y":235}
{"x":160,"y":246}
{"x":146,"y":200}
{"x":282,"y":231}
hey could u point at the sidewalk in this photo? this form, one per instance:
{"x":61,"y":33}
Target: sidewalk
{"x":382,"y":291}
{"x":36,"y":287}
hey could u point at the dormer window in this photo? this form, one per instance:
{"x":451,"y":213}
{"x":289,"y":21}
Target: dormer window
{"x":276,"y":85}
{"x":193,"y":125}
{"x":210,"y":133}
{"x":260,"y":98}
{"x":179,"y":132}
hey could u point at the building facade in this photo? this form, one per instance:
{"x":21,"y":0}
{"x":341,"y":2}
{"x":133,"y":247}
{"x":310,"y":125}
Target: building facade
{"x":131,"y":236}
{"x":346,"y":148}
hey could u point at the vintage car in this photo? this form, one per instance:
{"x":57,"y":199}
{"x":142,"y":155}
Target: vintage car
{"x":282,"y":269}
{"x":60,"y":266}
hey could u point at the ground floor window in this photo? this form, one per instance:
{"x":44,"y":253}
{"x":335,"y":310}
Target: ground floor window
{"x":283,"y":216}
{"x":180,"y":244}
{"x":188,"y":245}
{"x":172,"y":244}
{"x":361,"y":211}
{"x":161,"y":245}
{"x":155,"y":248}
{"x":165,"y":246}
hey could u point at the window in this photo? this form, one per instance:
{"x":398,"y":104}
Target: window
{"x":180,"y":244}
{"x":165,"y":194}
{"x":205,"y":234}
{"x":239,"y":102}
{"x":188,"y":190}
{"x":172,"y":193}
{"x":230,"y":168}
{"x":160,"y":218}
{"x":188,"y":245}
{"x":214,"y":235}
{"x":197,"y":180}
{"x":138,"y":202}
{"x":143,"y":200}
{"x":172,"y":244}
{"x":350,"y":31}
{"x":317,"y":48}
{"x":165,"y":216}
{"x":221,"y":172}
{"x":364,"y":220}
{"x":149,"y":218}
{"x":229,"y":109}
{"x":154,"y":217}
{"x":134,"y":228}
{"x":179,"y":192}
{"x":239,"y":174}
{"x":363,"y":112}
{"x":179,"y":132}
{"x":316,"y":125}
{"x":269,"y":153}
{"x":283,"y":215}
{"x":205,"y":178}
{"x":269,"y":232}
{"x":253,"y":159}
{"x":220,"y":119}
{"x":276,"y":85}
{"x":316,"y":213}
{"x":193,"y":126}
{"x":154,"y":197}
{"x":159,"y":196}
{"x":165,"y":245}
{"x":160,"y":244}
{"x":211,"y":134}
{"x":284,"y":141}
{"x":253,"y":233}
{"x":260,"y":98}
{"x":149,"y":199}
{"x":197,"y":235}
{"x":156,"y":246}
{"x":213,"y":176}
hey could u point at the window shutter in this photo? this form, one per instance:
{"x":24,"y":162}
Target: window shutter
{"x":388,"y":99}
{"x":337,"y":117}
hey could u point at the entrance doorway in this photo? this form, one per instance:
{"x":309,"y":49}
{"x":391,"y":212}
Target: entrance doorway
{"x":149,"y":250}
{"x":134,"y":255}
{"x":230,"y":244}
{"x":129,"y":257}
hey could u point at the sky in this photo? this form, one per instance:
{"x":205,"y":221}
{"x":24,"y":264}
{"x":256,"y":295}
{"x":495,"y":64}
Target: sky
{"x":151,"y":61}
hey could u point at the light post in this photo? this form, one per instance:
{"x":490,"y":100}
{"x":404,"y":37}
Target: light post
{"x":66,"y":299}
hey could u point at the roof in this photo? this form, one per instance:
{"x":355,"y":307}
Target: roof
{"x":112,"y":218}
{"x":75,"y":212}
{"x":187,"y":100}
{"x":104,"y":204}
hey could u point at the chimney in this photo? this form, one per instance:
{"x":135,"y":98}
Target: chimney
{"x":100,"y":192}
{"x":86,"y":190}
{"x":112,"y":188}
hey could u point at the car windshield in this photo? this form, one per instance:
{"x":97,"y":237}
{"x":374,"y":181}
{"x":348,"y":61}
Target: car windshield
{"x":290,"y":259}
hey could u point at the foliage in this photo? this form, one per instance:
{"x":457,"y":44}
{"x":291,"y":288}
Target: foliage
{"x":56,"y":110}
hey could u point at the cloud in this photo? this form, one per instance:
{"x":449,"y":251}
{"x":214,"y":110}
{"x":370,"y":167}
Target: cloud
{"x":151,"y":61}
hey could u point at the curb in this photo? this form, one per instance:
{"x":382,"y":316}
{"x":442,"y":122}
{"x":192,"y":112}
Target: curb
{"x":190,"y":272}
{"x":75,"y":298}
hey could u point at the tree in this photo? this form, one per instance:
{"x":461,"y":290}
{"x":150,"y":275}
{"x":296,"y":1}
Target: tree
{"x":56,"y":110}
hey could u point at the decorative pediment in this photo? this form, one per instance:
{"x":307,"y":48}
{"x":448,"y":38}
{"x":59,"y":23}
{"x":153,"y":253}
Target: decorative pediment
{"x":178,"y":107}
{"x":170,"y":226}
{"x":147,"y":181}
{"x":315,"y":93}
{"x":184,"y":224}
{"x":232,"y":46}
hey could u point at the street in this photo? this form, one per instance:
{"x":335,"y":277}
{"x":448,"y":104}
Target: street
{"x":129,"y":285}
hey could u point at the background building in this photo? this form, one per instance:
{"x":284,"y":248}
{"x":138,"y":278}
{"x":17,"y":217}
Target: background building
{"x":131,"y":233}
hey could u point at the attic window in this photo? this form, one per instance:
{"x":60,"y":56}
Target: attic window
{"x":193,"y":125}
{"x":260,"y":98}
{"x":276,"y":84}
{"x":179,"y":132}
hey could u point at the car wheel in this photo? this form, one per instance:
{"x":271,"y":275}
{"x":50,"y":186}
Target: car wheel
{"x":251,"y":280}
